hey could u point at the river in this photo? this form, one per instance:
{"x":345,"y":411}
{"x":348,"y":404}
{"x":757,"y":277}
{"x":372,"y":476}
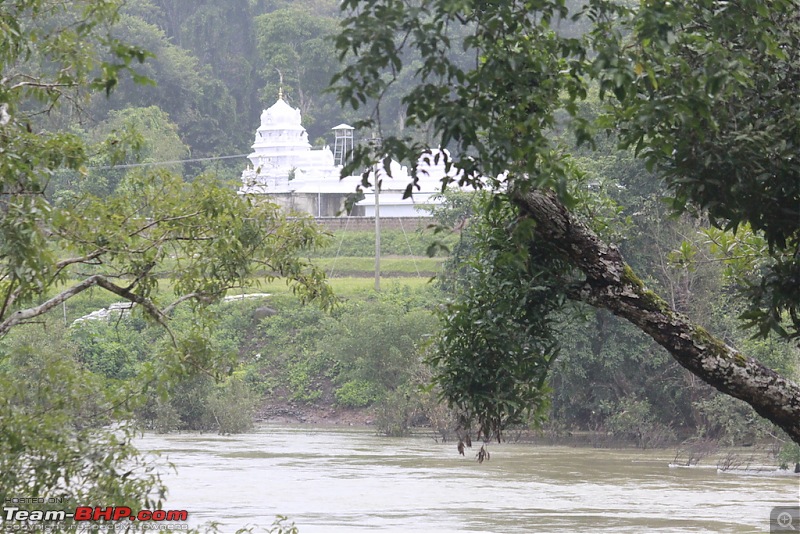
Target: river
{"x":336,"y":479}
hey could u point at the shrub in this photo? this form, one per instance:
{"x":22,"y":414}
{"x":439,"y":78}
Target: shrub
{"x":731,"y":421}
{"x":790,"y":454}
{"x":396,"y":413}
{"x":301,"y":381}
{"x":634,"y":421}
{"x":233,"y":406}
{"x":160,"y":416}
{"x":356,"y":394}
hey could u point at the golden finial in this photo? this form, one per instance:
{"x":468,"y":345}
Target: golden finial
{"x":280,"y":85}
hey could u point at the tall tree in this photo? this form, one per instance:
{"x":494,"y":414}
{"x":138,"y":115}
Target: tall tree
{"x":69,"y":431}
{"x":705,"y":98}
{"x":183,"y":86}
{"x":222,"y":36}
{"x":294,"y":44}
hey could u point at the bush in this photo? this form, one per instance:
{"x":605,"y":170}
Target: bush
{"x":200,"y":403}
{"x":396,"y":412}
{"x":789,"y":455}
{"x":731,"y":421}
{"x":356,"y":394}
{"x":301,"y":375}
{"x":114,"y":348}
{"x":160,"y":416}
{"x":233,"y":406}
{"x":634,"y":421}
{"x":377,"y":343}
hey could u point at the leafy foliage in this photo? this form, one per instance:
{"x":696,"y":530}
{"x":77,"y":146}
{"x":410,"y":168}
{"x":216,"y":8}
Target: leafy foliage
{"x":175,"y":395}
{"x":41,"y":66}
{"x":65,"y":426}
{"x":494,"y":110}
{"x":293,"y":44}
{"x":706,"y":94}
{"x":366,"y":354}
{"x":356,"y":394}
{"x":185,"y":89}
{"x":677,"y":83}
{"x":110,"y":350}
{"x":377,"y":344}
{"x":211,"y":237}
{"x":203,"y":236}
{"x":62,"y":431}
{"x":789,"y":453}
{"x":499,"y":340}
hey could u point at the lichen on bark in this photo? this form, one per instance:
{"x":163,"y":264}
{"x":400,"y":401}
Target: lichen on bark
{"x":705,"y":341}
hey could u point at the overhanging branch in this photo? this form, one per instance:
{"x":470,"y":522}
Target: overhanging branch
{"x":611,"y":284}
{"x":21,"y":316}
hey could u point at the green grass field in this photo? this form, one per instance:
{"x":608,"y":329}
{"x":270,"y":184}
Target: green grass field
{"x":361,"y":243}
{"x":354,"y":286}
{"x":392,"y":266}
{"x":345,"y":287}
{"x":351,"y":276}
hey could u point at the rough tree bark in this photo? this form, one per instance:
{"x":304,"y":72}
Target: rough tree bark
{"x":611,"y":284}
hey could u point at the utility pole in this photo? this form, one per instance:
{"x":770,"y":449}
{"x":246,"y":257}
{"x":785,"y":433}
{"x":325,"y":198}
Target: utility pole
{"x":375,"y":142}
{"x":377,"y":232}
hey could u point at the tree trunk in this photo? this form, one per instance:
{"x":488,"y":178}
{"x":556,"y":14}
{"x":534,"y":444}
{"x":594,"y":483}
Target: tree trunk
{"x":611,"y":284}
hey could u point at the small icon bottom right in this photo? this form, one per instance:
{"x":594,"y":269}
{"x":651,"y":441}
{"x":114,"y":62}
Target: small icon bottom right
{"x":785,"y":519}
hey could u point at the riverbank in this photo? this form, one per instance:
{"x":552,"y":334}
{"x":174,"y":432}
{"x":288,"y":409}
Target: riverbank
{"x":756,"y":460}
{"x":292,"y":413}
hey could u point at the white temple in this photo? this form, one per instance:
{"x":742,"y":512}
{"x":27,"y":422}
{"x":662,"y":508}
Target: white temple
{"x":284,"y":166}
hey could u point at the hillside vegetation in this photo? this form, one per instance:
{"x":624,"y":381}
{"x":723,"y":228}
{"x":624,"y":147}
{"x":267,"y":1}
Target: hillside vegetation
{"x":627,"y":270}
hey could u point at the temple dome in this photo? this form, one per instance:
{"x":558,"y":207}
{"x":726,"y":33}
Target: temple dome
{"x":281,"y":116}
{"x":281,"y":151}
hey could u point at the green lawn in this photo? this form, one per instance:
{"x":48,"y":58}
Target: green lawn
{"x":361,"y":243}
{"x":350,"y":286}
{"x":391,"y":266}
{"x":350,"y":277}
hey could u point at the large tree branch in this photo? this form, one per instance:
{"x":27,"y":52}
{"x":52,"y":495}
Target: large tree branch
{"x":63,"y":264}
{"x":611,"y":284}
{"x":82,"y":259}
{"x":21,"y":316}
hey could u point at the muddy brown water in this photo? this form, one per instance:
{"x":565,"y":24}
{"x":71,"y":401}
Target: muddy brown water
{"x":332,"y":479}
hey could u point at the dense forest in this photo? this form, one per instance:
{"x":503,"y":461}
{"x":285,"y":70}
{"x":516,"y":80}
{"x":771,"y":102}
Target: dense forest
{"x":215,"y":67}
{"x":246,"y":51}
{"x":132,"y":150}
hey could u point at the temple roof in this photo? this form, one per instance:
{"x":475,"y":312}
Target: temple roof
{"x":280,"y":116}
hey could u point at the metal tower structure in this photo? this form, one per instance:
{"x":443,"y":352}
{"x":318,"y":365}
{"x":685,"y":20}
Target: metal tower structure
{"x":343,"y":143}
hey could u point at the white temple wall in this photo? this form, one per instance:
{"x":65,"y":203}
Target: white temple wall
{"x":315,"y":204}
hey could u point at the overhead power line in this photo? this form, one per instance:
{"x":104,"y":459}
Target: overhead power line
{"x":150,"y":164}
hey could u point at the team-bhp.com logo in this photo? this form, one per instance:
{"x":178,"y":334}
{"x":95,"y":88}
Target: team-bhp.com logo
{"x":94,"y":513}
{"x":17,"y":519}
